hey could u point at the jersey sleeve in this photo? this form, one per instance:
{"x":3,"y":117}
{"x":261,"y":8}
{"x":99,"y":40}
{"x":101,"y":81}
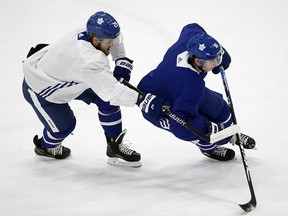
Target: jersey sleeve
{"x":97,"y":74}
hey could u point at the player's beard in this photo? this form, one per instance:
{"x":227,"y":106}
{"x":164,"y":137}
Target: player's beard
{"x":105,"y":51}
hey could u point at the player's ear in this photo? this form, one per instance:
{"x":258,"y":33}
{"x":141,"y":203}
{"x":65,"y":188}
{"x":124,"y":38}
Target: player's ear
{"x":95,"y":40}
{"x":197,"y":61}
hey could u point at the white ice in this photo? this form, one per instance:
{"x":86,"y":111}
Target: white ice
{"x":175,"y":179}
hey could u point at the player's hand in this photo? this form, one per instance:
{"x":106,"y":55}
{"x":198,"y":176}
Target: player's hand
{"x":123,"y":68}
{"x":151,"y":104}
{"x":216,"y":127}
{"x":226,"y":60}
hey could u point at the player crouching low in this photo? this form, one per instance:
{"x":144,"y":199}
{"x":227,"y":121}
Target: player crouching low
{"x":179,"y":79}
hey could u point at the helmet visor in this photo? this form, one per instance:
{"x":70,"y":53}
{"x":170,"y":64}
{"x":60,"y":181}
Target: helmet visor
{"x":217,"y":59}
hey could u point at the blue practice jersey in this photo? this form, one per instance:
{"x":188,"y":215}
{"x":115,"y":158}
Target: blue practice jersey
{"x":182,"y":86}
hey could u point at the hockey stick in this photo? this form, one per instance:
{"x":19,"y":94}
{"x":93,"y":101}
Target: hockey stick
{"x":229,"y":131}
{"x":252,"y":203}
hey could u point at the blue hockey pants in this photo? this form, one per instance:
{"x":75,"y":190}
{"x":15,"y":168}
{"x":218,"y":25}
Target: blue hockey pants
{"x":59,"y":120}
{"x":212,"y":108}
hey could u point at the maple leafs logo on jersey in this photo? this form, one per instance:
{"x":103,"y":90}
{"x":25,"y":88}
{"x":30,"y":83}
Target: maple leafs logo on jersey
{"x":202,"y":47}
{"x":100,"y":21}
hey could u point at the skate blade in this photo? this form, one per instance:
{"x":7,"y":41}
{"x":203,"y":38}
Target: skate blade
{"x":121,"y":163}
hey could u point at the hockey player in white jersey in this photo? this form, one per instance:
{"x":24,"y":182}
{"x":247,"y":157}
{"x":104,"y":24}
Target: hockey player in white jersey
{"x":77,"y":68}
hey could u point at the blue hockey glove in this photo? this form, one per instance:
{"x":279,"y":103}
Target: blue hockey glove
{"x":226,"y":60}
{"x":152,"y":105}
{"x":123,"y":68}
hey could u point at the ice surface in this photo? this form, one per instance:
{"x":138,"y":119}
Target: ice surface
{"x":175,"y":178}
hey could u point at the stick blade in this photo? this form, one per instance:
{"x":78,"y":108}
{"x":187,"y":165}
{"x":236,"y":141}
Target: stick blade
{"x":249,"y":206}
{"x":229,"y":131}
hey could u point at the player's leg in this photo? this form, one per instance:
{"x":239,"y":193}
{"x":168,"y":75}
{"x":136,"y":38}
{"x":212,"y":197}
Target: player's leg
{"x":111,"y":121}
{"x":215,"y":109}
{"x":58,"y":120}
{"x":221,"y":114}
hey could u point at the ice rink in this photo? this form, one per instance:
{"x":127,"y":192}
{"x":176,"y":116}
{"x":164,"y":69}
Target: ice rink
{"x":175,"y":179}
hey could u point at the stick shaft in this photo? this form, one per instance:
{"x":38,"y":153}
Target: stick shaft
{"x":252,"y":202}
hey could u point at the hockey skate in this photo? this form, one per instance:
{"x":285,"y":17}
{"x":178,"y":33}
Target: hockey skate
{"x":119,"y":154}
{"x":59,"y":152}
{"x":221,"y":153}
{"x":246,"y":141}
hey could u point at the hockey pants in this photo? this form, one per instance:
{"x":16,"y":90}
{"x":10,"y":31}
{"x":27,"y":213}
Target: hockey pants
{"x":212,"y":108}
{"x":59,"y":120}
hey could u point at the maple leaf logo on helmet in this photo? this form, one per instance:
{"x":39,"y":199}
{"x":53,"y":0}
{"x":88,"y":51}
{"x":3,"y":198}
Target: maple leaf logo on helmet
{"x":202,"y":47}
{"x":100,"y":21}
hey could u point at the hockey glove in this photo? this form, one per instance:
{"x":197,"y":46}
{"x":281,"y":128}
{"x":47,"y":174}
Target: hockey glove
{"x":216,"y":127}
{"x":226,"y":60}
{"x":151,"y":105}
{"x":123,"y":68}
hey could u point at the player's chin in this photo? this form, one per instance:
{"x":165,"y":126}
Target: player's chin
{"x":107,"y":52}
{"x":208,"y":69}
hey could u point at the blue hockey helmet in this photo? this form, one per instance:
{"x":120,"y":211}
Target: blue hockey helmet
{"x":205,"y":47}
{"x":103,"y":25}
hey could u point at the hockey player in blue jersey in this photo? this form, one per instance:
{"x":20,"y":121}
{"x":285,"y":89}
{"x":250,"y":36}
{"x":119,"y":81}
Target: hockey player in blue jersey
{"x":178,"y":81}
{"x":77,"y":68}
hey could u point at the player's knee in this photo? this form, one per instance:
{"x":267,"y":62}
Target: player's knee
{"x":225,"y":115}
{"x":64,"y":132}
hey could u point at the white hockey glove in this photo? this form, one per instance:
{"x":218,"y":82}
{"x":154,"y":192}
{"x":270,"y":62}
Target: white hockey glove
{"x":215,"y":128}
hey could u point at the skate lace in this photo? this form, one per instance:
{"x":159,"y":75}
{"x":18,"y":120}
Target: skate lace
{"x":56,"y":151}
{"x":220,"y":151}
{"x":124,"y":147}
{"x":244,"y":139}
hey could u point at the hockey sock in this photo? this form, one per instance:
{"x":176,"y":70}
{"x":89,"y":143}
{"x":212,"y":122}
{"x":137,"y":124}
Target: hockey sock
{"x":204,"y":147}
{"x":51,"y":140}
{"x":111,"y":122}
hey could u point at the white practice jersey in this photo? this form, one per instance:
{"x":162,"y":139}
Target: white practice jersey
{"x":62,"y":71}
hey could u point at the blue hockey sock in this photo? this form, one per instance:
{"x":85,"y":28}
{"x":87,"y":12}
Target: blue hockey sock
{"x":204,"y":147}
{"x":111,"y":123}
{"x":51,"y":140}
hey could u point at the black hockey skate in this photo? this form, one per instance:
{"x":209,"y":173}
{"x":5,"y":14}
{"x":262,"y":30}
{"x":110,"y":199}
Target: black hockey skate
{"x":59,"y":152}
{"x":246,"y":141}
{"x":221,"y":153}
{"x":119,"y":154}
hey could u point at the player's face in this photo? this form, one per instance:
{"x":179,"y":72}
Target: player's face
{"x":208,"y":65}
{"x":104,"y":45}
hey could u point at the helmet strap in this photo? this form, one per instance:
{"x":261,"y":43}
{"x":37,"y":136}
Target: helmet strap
{"x":100,"y":39}
{"x":201,"y":62}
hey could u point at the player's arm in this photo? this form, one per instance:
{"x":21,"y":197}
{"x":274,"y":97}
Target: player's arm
{"x":123,"y":65}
